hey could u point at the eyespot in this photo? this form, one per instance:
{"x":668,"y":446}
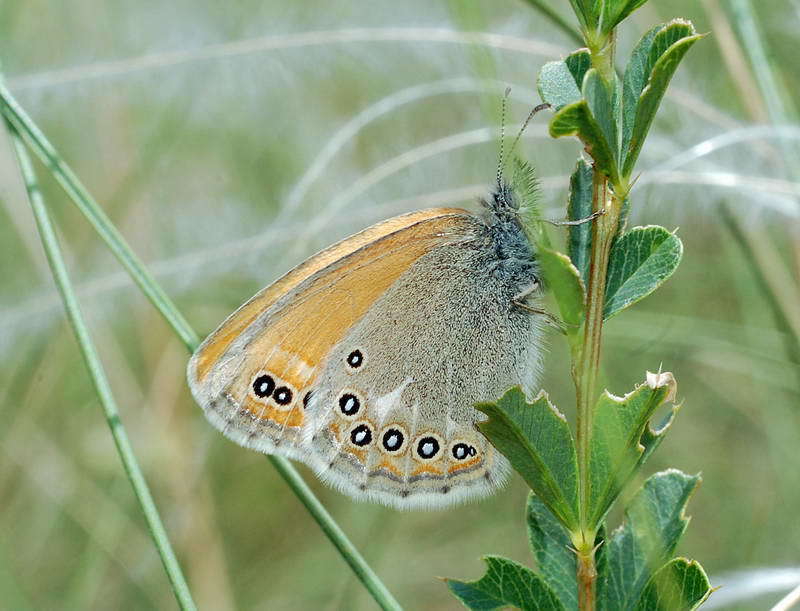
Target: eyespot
{"x":361,"y":435}
{"x":393,"y":439}
{"x":307,"y":398}
{"x":355,"y":359}
{"x":263,"y":385}
{"x":462,"y":451}
{"x":349,"y":403}
{"x":282,"y":395}
{"x":428,"y":447}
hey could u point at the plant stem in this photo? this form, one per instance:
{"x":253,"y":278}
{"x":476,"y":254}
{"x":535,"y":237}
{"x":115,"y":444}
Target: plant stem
{"x":99,"y":379}
{"x":545,"y":9}
{"x":22,"y":125}
{"x":68,"y":180}
{"x":329,"y":526}
{"x":587,"y":577}
{"x":587,"y":366}
{"x":602,"y":55}
{"x":586,"y":372}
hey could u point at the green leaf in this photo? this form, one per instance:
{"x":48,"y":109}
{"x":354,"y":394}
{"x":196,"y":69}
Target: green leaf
{"x":621,"y":438}
{"x":560,"y":82}
{"x":506,"y":583}
{"x":600,"y":138}
{"x":552,"y":549}
{"x":646,"y":81}
{"x":577,"y":120}
{"x":578,"y":62}
{"x":579,"y":241}
{"x":637,"y":73}
{"x":536,"y":439}
{"x":584,"y":14}
{"x":614,"y":11}
{"x":640,"y":261}
{"x":557,"y":85}
{"x":654,"y":523}
{"x":563,"y":279}
{"x":603,"y":100}
{"x":679,"y":585}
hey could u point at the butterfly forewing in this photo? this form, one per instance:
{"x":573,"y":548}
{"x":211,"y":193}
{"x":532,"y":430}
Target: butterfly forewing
{"x":253,"y":376}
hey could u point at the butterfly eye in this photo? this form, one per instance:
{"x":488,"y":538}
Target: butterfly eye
{"x":263,"y":386}
{"x":393,"y":440}
{"x":428,"y":447}
{"x":349,"y":404}
{"x":282,"y":396}
{"x":355,"y":359}
{"x":361,"y":436}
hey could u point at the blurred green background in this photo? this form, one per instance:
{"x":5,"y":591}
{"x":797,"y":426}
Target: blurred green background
{"x":228,"y":141}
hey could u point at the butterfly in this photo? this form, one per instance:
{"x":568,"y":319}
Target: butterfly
{"x":365,"y":361}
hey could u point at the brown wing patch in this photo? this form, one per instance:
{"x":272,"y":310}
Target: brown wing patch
{"x":389,"y":465}
{"x":425,"y":470}
{"x":292,"y":417}
{"x":465,"y":465}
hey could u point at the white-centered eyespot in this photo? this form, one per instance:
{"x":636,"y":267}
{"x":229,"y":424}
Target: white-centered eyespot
{"x":355,"y":360}
{"x":393,"y":439}
{"x":350,"y":403}
{"x":262,"y":386}
{"x":428,"y":446}
{"x":461,"y":450}
{"x":361,"y":435}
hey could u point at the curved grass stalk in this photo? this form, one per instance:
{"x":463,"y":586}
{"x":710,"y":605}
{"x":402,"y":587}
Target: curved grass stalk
{"x":274,"y":42}
{"x":99,"y":380}
{"x":557,"y":20}
{"x":47,"y":154}
{"x":384,"y":106}
{"x":404,"y":160}
{"x":21,"y":125}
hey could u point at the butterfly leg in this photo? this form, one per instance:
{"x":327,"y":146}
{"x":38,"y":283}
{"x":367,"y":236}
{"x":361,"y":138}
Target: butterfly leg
{"x":563,"y":223}
{"x":519,"y":301}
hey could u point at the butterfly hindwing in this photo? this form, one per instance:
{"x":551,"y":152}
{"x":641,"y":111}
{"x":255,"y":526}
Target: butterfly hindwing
{"x":256,"y":374}
{"x":391,"y":418}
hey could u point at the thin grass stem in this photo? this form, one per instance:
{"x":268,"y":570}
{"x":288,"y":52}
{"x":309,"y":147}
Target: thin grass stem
{"x":336,"y":535}
{"x":779,"y":104}
{"x":562,"y":24}
{"x":81,"y":197}
{"x":770,"y":289}
{"x":99,"y":379}
{"x":16,"y":116}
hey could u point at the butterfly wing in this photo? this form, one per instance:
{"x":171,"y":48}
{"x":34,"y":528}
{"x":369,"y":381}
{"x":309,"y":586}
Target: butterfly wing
{"x":253,"y":375}
{"x":391,"y":418}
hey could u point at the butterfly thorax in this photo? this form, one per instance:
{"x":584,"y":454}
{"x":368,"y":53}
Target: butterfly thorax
{"x":515,"y":260}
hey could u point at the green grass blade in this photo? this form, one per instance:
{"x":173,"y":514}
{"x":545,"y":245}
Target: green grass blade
{"x":766,"y":72}
{"x":81,"y":197}
{"x":48,"y":155}
{"x":562,"y":24}
{"x":99,"y":380}
{"x":336,"y":535}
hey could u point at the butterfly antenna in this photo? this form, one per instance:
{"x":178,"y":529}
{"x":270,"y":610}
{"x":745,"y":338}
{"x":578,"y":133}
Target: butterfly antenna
{"x":533,"y":112}
{"x":500,"y":159}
